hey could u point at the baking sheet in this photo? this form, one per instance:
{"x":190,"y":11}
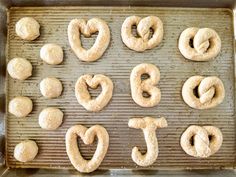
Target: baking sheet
{"x":117,"y":63}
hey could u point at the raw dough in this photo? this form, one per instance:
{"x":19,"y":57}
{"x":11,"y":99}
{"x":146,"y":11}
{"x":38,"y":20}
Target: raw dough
{"x":139,"y":86}
{"x":27,"y":28}
{"x":26,"y":151}
{"x":50,"y":118}
{"x":51,"y":87}
{"x":94,"y":25}
{"x":19,"y":68}
{"x":149,"y":126}
{"x":143,"y":42}
{"x":87,"y":135}
{"x":51,"y":54}
{"x":210,"y":91}
{"x":20,"y":106}
{"x":206,"y":44}
{"x":83,"y":96}
{"x":202,"y":146}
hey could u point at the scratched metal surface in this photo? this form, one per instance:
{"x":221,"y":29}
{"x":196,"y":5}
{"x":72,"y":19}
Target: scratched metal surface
{"x":117,"y":63}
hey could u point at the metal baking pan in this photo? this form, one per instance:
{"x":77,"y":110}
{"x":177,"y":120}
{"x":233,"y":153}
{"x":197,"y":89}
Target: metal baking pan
{"x":117,"y":63}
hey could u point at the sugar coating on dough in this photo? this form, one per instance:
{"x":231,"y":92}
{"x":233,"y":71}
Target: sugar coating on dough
{"x":50,"y":118}
{"x":87,"y":28}
{"x":20,"y":106}
{"x":51,"y":54}
{"x":87,"y":135}
{"x":149,"y":85}
{"x":206,"y":44}
{"x":19,"y":68}
{"x":202,"y":146}
{"x":27,"y":28}
{"x":143,"y":42}
{"x":210,"y":92}
{"x":83,"y":96}
{"x":149,"y":126}
{"x":51,"y":87}
{"x":26,"y":151}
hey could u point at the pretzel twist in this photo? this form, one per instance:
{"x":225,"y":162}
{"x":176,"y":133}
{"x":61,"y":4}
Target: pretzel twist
{"x":210,"y":90}
{"x":149,"y":126}
{"x":202,"y":146}
{"x":144,"y":25}
{"x":77,"y":26}
{"x":83,"y":96}
{"x":139,"y":86}
{"x":206,"y":44}
{"x":87,"y":135}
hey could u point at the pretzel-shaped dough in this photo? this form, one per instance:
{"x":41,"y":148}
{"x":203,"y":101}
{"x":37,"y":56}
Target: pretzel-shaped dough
{"x":83,"y":96}
{"x":149,"y":126}
{"x":206,"y":44}
{"x":87,"y":135}
{"x":211,"y":92}
{"x":94,"y":25}
{"x":202,"y":146}
{"x":144,"y":25}
{"x":139,"y":86}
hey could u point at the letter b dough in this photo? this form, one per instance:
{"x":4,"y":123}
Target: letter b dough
{"x":139,"y":86}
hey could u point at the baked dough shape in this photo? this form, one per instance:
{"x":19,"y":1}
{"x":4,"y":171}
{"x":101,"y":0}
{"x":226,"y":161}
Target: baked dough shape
{"x":26,"y":151}
{"x":19,"y":68}
{"x":51,"y":87}
{"x":149,"y":126}
{"x":210,"y":91}
{"x":20,"y":106}
{"x":87,"y":135}
{"x":83,"y":96}
{"x":206,"y":44}
{"x":50,"y":118}
{"x":94,"y":25}
{"x":143,"y":42}
{"x":202,"y":146}
{"x":27,"y":28}
{"x":139,"y":86}
{"x":51,"y":54}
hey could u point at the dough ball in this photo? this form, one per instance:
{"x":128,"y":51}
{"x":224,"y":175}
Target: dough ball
{"x":50,"y":118}
{"x":51,"y":54}
{"x":26,"y":151}
{"x":20,"y":106}
{"x":50,"y":87}
{"x":19,"y":68}
{"x":27,"y":28}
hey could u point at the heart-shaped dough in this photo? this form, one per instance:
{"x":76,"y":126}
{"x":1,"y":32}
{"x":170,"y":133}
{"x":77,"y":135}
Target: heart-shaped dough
{"x":144,"y":25}
{"x":87,"y":135}
{"x":83,"y":96}
{"x":94,"y":25}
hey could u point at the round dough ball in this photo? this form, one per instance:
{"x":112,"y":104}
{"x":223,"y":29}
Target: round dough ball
{"x":50,"y":87}
{"x":19,"y":68}
{"x":20,"y":106}
{"x":27,"y":28}
{"x":50,"y":118}
{"x":26,"y":151}
{"x":51,"y":54}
